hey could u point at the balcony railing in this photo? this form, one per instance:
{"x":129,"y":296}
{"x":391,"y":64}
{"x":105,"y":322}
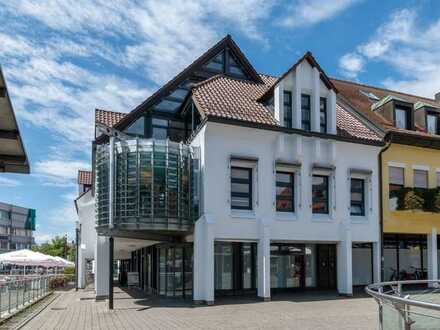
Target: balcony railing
{"x":155,"y":185}
{"x":422,"y":199}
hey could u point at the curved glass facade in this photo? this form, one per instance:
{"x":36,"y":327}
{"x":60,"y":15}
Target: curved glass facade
{"x":155,"y":185}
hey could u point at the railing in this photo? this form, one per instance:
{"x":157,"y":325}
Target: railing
{"x":18,"y":292}
{"x":155,"y":185}
{"x":407,"y":305}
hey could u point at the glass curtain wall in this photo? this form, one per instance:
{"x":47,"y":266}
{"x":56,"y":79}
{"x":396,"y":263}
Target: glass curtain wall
{"x":405,"y":257}
{"x":235,"y":268}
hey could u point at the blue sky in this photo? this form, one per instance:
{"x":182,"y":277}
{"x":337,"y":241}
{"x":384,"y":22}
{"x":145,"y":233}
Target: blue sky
{"x":64,"y":58}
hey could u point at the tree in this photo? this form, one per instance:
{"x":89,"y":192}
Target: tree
{"x":57,"y":247}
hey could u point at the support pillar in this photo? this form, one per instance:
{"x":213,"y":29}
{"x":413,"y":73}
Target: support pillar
{"x":110,"y":273}
{"x":432,"y":255}
{"x":263,"y":264}
{"x":203,"y":286}
{"x":376,"y":263}
{"x":102,"y":267}
{"x":344,"y":261}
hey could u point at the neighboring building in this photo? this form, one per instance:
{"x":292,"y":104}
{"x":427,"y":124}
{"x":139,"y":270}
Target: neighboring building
{"x":16,"y":227}
{"x":410,"y":177}
{"x":230,"y":182}
{"x":13,"y":157}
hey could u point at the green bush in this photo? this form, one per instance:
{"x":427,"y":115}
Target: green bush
{"x":69,"y":270}
{"x":427,"y":200}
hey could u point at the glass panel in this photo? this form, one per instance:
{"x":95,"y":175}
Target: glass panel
{"x":396,"y":175}
{"x":410,"y":261}
{"x":310,"y":264}
{"x":137,"y":128}
{"x":431,"y":123}
{"x":305,"y":111}
{"x":390,"y":263}
{"x":159,"y":122}
{"x":240,"y":187}
{"x":320,"y":194}
{"x":188,"y":270}
{"x":240,"y":202}
{"x":323,"y":115}
{"x":167,"y":106}
{"x":357,"y":197}
{"x":401,"y":121}
{"x":170,"y":272}
{"x":162,"y":271}
{"x":179,"y":93}
{"x":288,"y":109}
{"x":216,"y":64}
{"x":247,"y":265}
{"x":420,"y":179}
{"x":239,"y":173}
{"x":223,"y":266}
{"x":286,"y":269}
{"x":160,"y":133}
{"x":178,"y":271}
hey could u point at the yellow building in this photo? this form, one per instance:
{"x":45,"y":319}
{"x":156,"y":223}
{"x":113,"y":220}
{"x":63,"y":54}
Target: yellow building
{"x":410,"y":176}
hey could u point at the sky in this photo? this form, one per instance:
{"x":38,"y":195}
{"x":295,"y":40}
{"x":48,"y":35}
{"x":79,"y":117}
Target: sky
{"x":64,"y":58}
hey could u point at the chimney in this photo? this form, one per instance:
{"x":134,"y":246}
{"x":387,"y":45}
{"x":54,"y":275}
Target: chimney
{"x":437,"y":97}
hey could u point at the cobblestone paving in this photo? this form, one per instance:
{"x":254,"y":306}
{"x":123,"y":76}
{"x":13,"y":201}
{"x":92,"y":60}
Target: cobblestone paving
{"x":79,"y":310}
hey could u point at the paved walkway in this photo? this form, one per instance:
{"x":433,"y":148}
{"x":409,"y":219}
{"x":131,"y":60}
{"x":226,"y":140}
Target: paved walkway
{"x":79,"y":310}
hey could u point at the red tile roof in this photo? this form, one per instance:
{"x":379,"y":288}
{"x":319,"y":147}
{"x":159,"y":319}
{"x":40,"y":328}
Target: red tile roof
{"x":108,"y":118}
{"x":85,"y":177}
{"x":351,"y":92}
{"x":229,"y":98}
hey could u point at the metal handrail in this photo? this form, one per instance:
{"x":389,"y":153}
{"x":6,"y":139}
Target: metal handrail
{"x":379,"y":294}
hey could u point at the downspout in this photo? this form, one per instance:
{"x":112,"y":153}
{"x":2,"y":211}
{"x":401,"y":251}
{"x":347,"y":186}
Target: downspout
{"x":381,"y":207}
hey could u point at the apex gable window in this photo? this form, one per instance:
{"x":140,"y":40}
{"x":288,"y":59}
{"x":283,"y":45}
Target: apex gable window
{"x":432,"y":123}
{"x":288,"y":109}
{"x":420,"y":179}
{"x":285,"y":201}
{"x":305,"y":112}
{"x":323,"y":115}
{"x":357,"y":199}
{"x":241,"y":188}
{"x":401,"y":117}
{"x":320,"y":194}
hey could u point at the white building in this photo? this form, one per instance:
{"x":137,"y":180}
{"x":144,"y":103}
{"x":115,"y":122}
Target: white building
{"x":275,"y":187}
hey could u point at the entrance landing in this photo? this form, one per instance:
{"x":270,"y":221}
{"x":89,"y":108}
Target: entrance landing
{"x":79,"y":310}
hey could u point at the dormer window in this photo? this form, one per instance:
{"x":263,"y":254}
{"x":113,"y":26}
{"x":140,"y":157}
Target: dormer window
{"x":432,"y":123}
{"x":401,"y":117}
{"x":305,"y":112}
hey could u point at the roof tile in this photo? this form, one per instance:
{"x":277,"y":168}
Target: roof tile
{"x":85,"y":177}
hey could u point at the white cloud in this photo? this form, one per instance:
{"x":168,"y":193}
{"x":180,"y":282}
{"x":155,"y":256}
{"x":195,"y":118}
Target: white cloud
{"x":7,"y":182}
{"x":351,"y":64}
{"x":309,"y":12}
{"x":59,"y":172}
{"x":407,"y":46}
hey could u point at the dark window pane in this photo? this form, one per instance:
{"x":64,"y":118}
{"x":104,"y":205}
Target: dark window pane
{"x":167,"y":106}
{"x":288,"y":109}
{"x":241,"y":188}
{"x":285,"y":192}
{"x":179,"y":93}
{"x":432,"y":123}
{"x":305,"y":111}
{"x":323,"y":115}
{"x":137,"y":128}
{"x":397,"y":175}
{"x":357,"y":197}
{"x":160,"y":133}
{"x":320,"y":194}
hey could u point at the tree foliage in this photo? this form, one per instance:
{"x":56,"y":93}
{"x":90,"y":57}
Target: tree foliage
{"x":57,"y":247}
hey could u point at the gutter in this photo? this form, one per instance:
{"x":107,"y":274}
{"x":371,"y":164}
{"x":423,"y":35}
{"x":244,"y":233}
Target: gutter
{"x":381,"y":207}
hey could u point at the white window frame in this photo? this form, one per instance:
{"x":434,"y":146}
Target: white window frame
{"x":295,"y":169}
{"x":251,"y":163}
{"x":330,"y":173}
{"x":368,"y":194}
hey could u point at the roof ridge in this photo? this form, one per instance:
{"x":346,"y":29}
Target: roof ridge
{"x":383,"y":89}
{"x":267,"y":75}
{"x":104,"y":110}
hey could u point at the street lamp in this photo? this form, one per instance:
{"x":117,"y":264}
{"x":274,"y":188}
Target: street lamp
{"x":77,"y":238}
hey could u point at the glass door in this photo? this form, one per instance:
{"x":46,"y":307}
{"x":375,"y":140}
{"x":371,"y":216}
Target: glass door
{"x":287,"y":266}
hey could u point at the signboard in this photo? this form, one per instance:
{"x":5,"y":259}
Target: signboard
{"x":133,"y":279}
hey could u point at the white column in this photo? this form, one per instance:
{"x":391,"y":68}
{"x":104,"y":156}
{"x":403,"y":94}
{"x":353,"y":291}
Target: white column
{"x":432,"y":255}
{"x":203,"y":287}
{"x":102,"y":267}
{"x":344,"y":261}
{"x":81,"y":269}
{"x":314,"y":117}
{"x":331,"y":115}
{"x":296,"y":118}
{"x":376,"y":262}
{"x":263,"y":263}
{"x":279,"y":102}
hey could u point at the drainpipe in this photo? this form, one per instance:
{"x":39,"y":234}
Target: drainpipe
{"x":381,"y":207}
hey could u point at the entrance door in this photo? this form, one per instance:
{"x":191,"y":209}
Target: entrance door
{"x":326,"y":259}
